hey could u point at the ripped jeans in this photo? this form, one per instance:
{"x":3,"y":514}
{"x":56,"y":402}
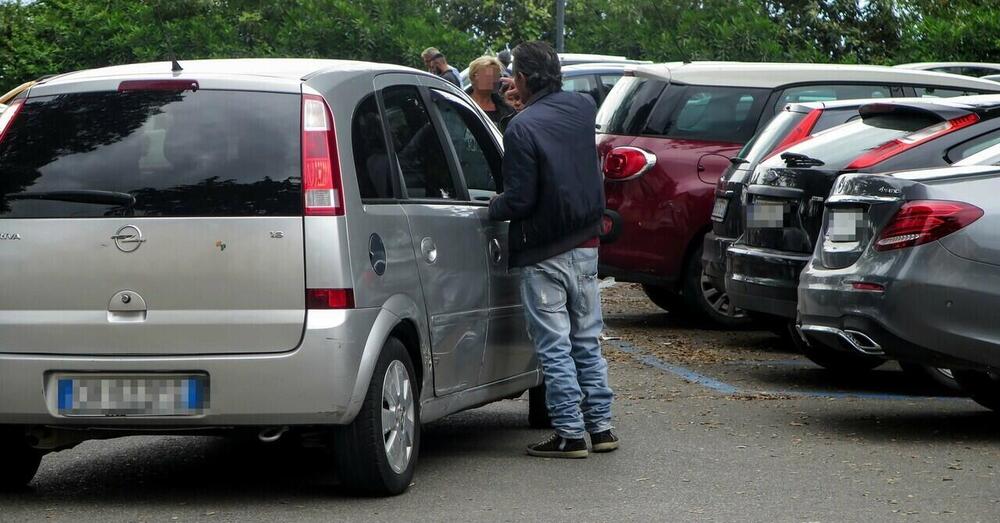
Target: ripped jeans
{"x":562,"y":306}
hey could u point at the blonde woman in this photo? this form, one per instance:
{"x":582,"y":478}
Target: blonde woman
{"x":485,"y":73}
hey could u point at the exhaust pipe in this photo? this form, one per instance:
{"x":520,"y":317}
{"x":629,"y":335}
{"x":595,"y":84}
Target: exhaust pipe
{"x":272,"y":434}
{"x":855,"y":340}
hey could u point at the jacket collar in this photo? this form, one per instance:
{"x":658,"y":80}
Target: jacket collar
{"x":539,"y":95}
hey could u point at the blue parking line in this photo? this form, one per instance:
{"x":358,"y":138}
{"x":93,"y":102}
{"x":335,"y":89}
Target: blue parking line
{"x":727,"y":389}
{"x":687,"y":374}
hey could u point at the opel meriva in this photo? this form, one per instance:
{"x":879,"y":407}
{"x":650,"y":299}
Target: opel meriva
{"x":264,"y":244}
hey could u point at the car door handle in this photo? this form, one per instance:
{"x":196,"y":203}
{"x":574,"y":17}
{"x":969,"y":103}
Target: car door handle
{"x":496,"y":253}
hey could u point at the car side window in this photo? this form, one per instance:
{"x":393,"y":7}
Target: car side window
{"x":371,"y":158}
{"x":609,"y":80}
{"x":585,"y":84}
{"x":724,"y":114}
{"x":934,"y":92}
{"x":964,"y":152}
{"x":478,"y":156}
{"x":419,"y":155}
{"x":826,"y":93}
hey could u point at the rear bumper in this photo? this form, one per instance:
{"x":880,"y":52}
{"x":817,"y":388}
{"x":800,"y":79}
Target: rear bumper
{"x":927,"y":314}
{"x":310,"y":385}
{"x":763,"y":280}
{"x":713,"y":258}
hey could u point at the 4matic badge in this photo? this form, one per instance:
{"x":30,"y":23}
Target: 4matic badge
{"x":10,"y":236}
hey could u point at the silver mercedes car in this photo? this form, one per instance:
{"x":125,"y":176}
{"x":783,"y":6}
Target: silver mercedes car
{"x":265,"y":244}
{"x":908,"y":266}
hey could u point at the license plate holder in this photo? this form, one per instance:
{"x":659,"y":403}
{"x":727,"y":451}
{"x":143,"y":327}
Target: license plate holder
{"x":113,"y":395}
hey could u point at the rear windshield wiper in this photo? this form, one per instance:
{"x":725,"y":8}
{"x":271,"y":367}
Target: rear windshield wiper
{"x":800,"y":160}
{"x":95,"y":197}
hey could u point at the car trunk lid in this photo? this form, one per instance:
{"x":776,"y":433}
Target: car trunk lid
{"x":155,"y":220}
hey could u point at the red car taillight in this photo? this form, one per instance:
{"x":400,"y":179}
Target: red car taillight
{"x":8,"y":116}
{"x":799,"y":133}
{"x":329,"y":299}
{"x":923,"y":221}
{"x":898,"y":145}
{"x":625,"y":163}
{"x":321,"y":181}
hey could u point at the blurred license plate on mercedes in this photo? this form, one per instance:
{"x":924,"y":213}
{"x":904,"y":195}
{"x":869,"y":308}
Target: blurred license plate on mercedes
{"x":845,"y":224}
{"x":125,"y":396}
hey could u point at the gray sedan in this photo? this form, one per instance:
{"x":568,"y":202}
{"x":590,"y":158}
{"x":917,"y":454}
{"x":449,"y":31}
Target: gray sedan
{"x":908,"y":266}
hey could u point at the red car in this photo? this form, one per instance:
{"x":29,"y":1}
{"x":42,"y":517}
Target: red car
{"x":667,"y":132}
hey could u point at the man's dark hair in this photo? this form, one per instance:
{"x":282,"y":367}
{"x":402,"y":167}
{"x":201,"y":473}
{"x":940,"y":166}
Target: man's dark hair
{"x":504,"y":57}
{"x":539,"y":63}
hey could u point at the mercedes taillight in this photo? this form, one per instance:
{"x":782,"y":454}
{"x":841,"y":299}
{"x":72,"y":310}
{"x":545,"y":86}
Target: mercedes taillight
{"x":923,"y":221}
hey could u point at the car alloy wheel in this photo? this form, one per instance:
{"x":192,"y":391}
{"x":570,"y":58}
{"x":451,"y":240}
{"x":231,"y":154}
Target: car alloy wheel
{"x":718,"y":300}
{"x":398,"y":417}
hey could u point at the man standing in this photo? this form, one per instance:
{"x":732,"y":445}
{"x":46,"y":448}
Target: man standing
{"x":436,"y":63}
{"x":554,"y":198}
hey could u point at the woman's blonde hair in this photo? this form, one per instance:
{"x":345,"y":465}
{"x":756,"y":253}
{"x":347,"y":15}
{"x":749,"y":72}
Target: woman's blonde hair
{"x":482,"y":63}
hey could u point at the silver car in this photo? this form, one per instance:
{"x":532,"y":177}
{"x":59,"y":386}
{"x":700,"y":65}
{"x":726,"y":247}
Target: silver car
{"x":266,"y":244}
{"x":908,"y":265}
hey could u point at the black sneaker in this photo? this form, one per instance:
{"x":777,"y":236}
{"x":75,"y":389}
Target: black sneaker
{"x":603,"y":441}
{"x":559,"y":447}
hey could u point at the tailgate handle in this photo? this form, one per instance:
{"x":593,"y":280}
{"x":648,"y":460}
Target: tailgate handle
{"x":789,"y":193}
{"x":126,"y":307}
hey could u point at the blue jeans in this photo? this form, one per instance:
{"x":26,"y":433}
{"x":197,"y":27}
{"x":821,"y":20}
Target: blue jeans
{"x":562,"y":306}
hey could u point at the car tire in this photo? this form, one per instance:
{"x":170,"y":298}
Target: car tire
{"x":705,"y":301}
{"x":373,"y":459}
{"x":19,"y":461}
{"x":538,"y":412}
{"x":939,"y":379}
{"x":831,"y":359}
{"x":663,"y":298}
{"x":982,"y":387}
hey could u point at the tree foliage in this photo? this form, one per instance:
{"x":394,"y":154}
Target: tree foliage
{"x":51,"y":36}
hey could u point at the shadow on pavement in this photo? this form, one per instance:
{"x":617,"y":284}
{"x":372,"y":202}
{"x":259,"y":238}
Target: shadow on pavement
{"x":976,"y":424}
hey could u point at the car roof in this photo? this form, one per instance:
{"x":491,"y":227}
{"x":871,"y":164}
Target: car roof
{"x":942,"y":173}
{"x":596,"y":68}
{"x":846,"y":104}
{"x":294,"y":69}
{"x":772,"y":75}
{"x":933,"y":65}
{"x":580,"y":58}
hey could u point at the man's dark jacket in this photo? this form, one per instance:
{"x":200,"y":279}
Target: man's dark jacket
{"x":553,"y":193}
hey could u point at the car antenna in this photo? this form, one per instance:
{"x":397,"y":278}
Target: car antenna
{"x":175,"y":65}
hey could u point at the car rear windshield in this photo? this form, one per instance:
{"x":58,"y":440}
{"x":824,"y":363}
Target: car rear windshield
{"x":628,"y":105}
{"x":770,"y":136}
{"x":153,"y":153}
{"x":839,"y":146}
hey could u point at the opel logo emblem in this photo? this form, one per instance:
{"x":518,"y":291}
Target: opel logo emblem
{"x":128,"y":238}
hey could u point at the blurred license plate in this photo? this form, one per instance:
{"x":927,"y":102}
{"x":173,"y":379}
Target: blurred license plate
{"x":845,"y":224}
{"x":123,"y":396}
{"x":766,"y":214}
{"x":719,"y":211}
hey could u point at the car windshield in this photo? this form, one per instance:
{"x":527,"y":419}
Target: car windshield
{"x":152,"y":153}
{"x":770,"y":136}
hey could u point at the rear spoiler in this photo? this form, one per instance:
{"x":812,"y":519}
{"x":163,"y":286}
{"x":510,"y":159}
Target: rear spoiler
{"x":935,"y":111}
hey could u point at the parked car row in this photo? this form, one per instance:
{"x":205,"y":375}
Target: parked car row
{"x":667,"y":133}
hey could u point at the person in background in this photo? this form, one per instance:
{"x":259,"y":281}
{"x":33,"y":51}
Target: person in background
{"x":553,"y":195}
{"x":504,"y":57}
{"x":436,"y":63}
{"x":485,"y":73}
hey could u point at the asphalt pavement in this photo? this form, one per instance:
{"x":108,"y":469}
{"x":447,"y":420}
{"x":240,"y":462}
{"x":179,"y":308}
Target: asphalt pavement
{"x":715,"y":427}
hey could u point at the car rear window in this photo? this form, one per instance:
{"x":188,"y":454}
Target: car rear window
{"x":839,"y":146}
{"x":628,"y":105}
{"x":770,"y":136}
{"x":203,"y":153}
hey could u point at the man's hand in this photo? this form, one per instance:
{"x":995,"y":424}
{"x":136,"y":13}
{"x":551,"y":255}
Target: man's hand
{"x":511,"y":94}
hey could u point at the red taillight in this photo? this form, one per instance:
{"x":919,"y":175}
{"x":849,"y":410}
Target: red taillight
{"x":923,"y":221}
{"x":799,"y":133}
{"x":8,"y":116}
{"x":898,"y":145}
{"x":321,"y":182}
{"x":329,"y":299}
{"x":157,"y":85}
{"x":867,"y":286}
{"x":623,"y":163}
